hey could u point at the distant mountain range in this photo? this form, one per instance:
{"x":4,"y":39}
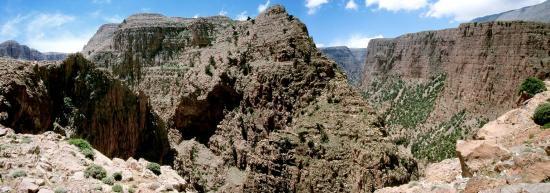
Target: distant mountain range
{"x":13,"y":49}
{"x":351,"y":60}
{"x":536,"y":13}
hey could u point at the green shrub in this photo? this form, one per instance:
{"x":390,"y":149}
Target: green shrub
{"x":207,"y":70}
{"x":117,"y":188}
{"x":108,"y":180}
{"x":131,"y":190}
{"x":117,"y":176}
{"x":84,"y":146}
{"x":18,"y":173}
{"x":26,"y":139}
{"x":531,"y":86}
{"x":60,"y":190}
{"x":95,"y":171}
{"x":542,"y":115}
{"x":154,"y":167}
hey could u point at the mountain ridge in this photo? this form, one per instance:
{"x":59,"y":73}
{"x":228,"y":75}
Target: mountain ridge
{"x":13,"y":49}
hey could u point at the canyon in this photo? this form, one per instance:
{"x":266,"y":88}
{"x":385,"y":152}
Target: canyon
{"x":254,"y":106}
{"x":12,"y":49}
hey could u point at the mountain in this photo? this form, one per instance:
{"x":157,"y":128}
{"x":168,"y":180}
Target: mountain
{"x":435,"y":87}
{"x":12,"y":49}
{"x":535,"y":13}
{"x":350,"y":60}
{"x":232,"y":106}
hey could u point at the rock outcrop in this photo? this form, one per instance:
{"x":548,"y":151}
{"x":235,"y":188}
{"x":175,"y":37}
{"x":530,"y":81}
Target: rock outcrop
{"x":535,"y":13}
{"x":47,"y":163}
{"x":515,"y":160}
{"x":436,"y":87}
{"x":12,"y":49}
{"x":350,"y":60}
{"x":246,"y":104}
{"x":78,"y":100}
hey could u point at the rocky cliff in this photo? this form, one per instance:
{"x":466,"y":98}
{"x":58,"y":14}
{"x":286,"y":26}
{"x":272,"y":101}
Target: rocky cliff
{"x":247,"y":102}
{"x":78,"y":100}
{"x":12,"y":49}
{"x":350,"y":60}
{"x":449,"y":82}
{"x":535,"y":13}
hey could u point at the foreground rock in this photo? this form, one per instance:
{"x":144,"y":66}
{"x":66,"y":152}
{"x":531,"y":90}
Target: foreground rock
{"x":514,"y":160}
{"x":46,"y":163}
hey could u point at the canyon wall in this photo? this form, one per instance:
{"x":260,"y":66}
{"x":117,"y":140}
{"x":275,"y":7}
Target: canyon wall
{"x":78,"y":100}
{"x":246,"y":104}
{"x":450,"y":82}
{"x":350,"y":60}
{"x":12,"y":49}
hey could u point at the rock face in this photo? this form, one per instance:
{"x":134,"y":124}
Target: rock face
{"x":246,"y":104}
{"x":350,"y":60}
{"x":47,"y":163}
{"x":12,"y":49}
{"x":512,"y":161}
{"x":78,"y":100}
{"x":535,"y":13}
{"x":438,"y":86}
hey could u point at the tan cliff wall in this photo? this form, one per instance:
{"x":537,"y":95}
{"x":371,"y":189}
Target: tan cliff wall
{"x":473,"y":70}
{"x":74,"y":98}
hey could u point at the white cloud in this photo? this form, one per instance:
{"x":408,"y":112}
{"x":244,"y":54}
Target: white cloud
{"x":101,"y":1}
{"x":354,"y":41}
{"x":222,"y":13}
{"x":242,"y":16}
{"x":47,"y":32}
{"x":397,"y":5}
{"x":351,"y":5}
{"x":314,"y":5}
{"x":196,"y":16}
{"x":262,"y":7}
{"x":465,"y":10}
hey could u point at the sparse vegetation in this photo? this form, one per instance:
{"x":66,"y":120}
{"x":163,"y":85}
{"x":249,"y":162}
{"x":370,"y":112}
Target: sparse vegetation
{"x":26,"y":139}
{"x":532,"y":86}
{"x":117,"y":188}
{"x":108,"y":180}
{"x":542,"y":115}
{"x":208,"y":70}
{"x":154,"y":167}
{"x":84,"y":146}
{"x":95,"y":171}
{"x":131,"y":190}
{"x":117,"y":176}
{"x":18,"y":173}
{"x":60,"y":190}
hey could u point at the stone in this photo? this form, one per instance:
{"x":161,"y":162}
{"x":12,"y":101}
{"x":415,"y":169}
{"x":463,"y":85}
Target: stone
{"x":475,"y":155}
{"x":28,"y":185}
{"x":45,"y":191}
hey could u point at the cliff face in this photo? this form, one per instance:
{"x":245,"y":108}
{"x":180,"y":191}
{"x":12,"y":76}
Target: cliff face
{"x":76,"y":99}
{"x":535,"y":13}
{"x":350,"y":60}
{"x":247,"y":102}
{"x":12,"y":49}
{"x":452,"y":81}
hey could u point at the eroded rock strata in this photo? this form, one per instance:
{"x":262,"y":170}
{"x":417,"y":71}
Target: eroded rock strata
{"x":280,"y":116}
{"x":433,"y":88}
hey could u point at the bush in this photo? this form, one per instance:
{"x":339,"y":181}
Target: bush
{"x":154,"y":167}
{"x":117,"y":188}
{"x":108,"y":180}
{"x":531,"y":86}
{"x":207,"y":70}
{"x":18,"y":173}
{"x":60,"y":190}
{"x":95,"y":171}
{"x":84,"y":146}
{"x":131,"y":190}
{"x":542,"y":115}
{"x":117,"y":176}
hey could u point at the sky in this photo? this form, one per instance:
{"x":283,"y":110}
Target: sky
{"x":67,"y":25}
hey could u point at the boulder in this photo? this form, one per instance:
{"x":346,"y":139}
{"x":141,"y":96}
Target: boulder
{"x":475,"y":155}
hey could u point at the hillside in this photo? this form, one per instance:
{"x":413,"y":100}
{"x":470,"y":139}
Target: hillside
{"x":12,"y":49}
{"x":350,"y":60}
{"x":433,"y":88}
{"x":233,"y":106}
{"x":535,"y":13}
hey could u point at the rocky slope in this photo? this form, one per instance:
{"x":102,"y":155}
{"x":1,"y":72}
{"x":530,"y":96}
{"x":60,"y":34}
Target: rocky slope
{"x":350,"y":60}
{"x":74,"y":98}
{"x":46,"y":163}
{"x":12,"y":49}
{"x":509,"y":154}
{"x":246,"y":104}
{"x":433,"y":88}
{"x":535,"y":13}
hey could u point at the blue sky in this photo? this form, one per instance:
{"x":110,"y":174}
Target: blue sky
{"x":66,"y":25}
